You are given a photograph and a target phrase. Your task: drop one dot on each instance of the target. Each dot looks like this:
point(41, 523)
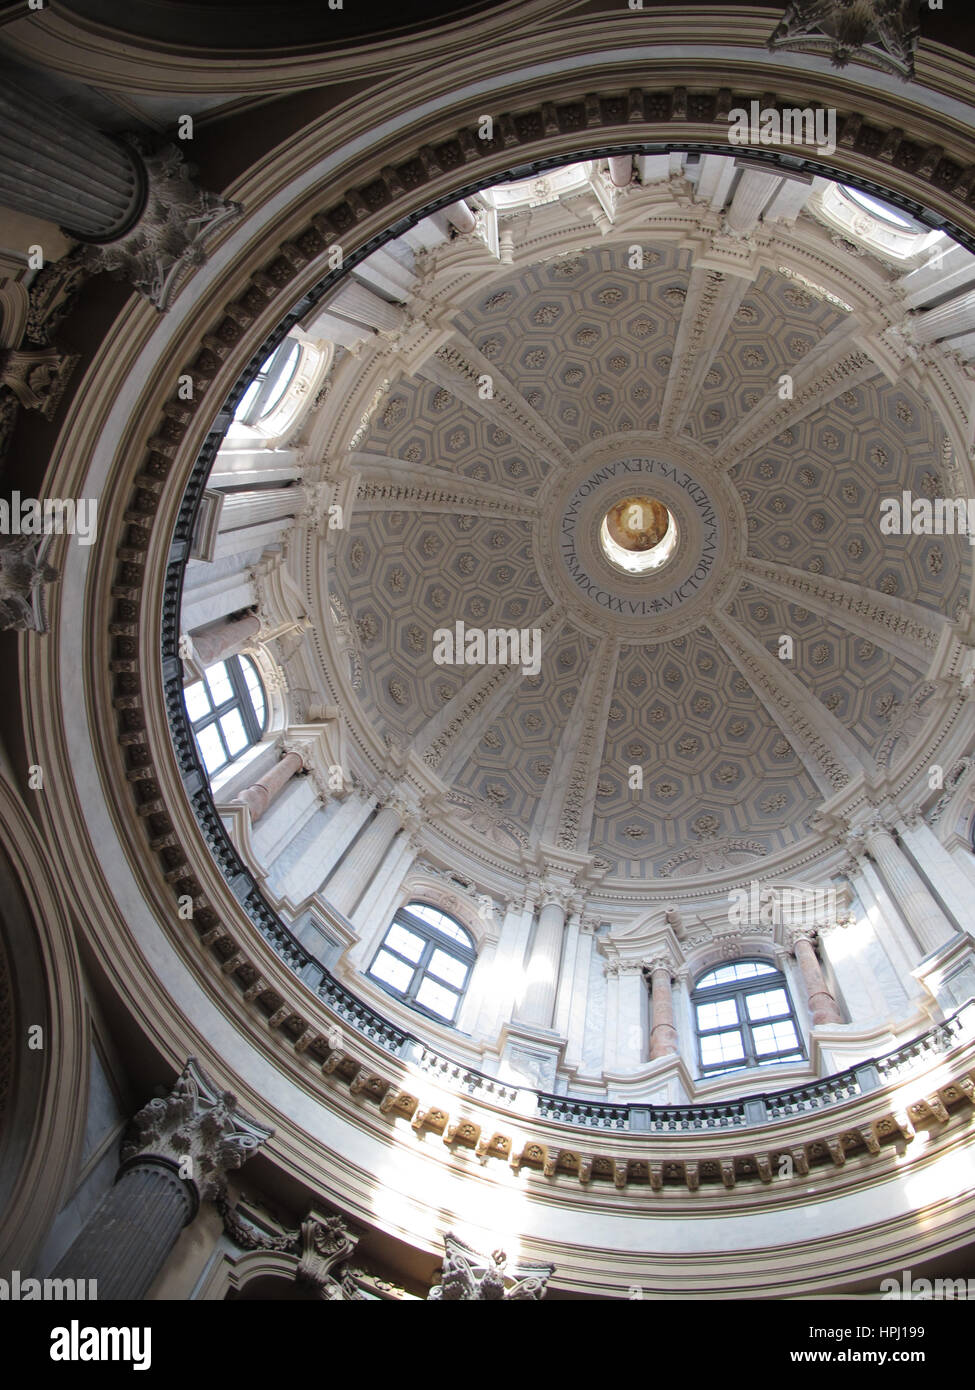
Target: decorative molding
point(168, 241)
point(468, 1277)
point(198, 1126)
point(880, 33)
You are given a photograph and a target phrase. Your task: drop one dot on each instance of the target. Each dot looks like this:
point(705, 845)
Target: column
point(663, 1034)
point(921, 912)
point(819, 1001)
point(631, 1027)
point(620, 170)
point(942, 869)
point(269, 787)
point(480, 988)
point(179, 1157)
point(56, 166)
point(753, 192)
point(226, 638)
point(340, 830)
point(957, 316)
point(354, 873)
point(563, 994)
point(375, 908)
point(499, 999)
point(538, 1004)
point(576, 1029)
point(892, 936)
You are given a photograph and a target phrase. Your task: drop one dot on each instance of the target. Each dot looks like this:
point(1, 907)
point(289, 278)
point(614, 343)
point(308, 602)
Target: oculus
point(638, 534)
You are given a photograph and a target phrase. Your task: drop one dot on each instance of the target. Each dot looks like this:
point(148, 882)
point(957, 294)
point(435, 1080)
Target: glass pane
point(406, 942)
point(770, 1004)
point(247, 399)
point(722, 1047)
point(284, 372)
point(717, 1015)
point(258, 706)
point(197, 704)
point(211, 749)
point(392, 971)
point(441, 921)
point(728, 974)
point(879, 209)
point(448, 968)
point(774, 1037)
point(234, 732)
point(441, 1001)
point(254, 688)
point(219, 683)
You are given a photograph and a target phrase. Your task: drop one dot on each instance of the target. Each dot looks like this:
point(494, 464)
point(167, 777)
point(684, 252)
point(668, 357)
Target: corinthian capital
point(199, 1129)
point(469, 1277)
point(661, 960)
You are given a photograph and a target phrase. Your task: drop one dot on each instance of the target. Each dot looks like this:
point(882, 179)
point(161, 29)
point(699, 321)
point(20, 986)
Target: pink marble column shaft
point(663, 1034)
point(269, 787)
point(823, 1008)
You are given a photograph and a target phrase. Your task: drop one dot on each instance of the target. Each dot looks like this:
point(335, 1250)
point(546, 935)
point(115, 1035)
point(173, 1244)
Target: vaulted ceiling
point(585, 352)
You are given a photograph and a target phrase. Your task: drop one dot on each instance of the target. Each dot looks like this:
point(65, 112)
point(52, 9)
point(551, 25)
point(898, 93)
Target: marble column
point(953, 885)
point(226, 638)
point(178, 1156)
point(822, 1007)
point(269, 787)
point(355, 871)
point(576, 1027)
point(957, 316)
point(921, 912)
point(538, 1003)
point(663, 1034)
point(503, 1001)
point(55, 166)
point(631, 1027)
point(885, 921)
point(753, 192)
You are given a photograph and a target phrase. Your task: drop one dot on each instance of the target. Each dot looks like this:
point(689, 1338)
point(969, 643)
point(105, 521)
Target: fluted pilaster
point(538, 1004)
point(921, 912)
point(355, 871)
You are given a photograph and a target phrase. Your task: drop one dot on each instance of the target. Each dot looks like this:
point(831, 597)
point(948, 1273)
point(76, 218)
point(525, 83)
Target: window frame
point(738, 991)
point(433, 940)
point(239, 699)
point(268, 378)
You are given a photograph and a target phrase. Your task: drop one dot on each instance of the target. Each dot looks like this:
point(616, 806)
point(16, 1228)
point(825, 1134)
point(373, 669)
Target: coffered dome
point(692, 717)
point(500, 775)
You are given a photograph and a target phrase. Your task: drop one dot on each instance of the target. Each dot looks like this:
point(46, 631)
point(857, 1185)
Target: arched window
point(227, 711)
point(425, 959)
point(744, 1018)
point(270, 384)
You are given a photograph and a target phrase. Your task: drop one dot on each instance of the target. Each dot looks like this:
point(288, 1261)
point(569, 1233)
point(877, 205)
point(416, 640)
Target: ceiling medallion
point(638, 545)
